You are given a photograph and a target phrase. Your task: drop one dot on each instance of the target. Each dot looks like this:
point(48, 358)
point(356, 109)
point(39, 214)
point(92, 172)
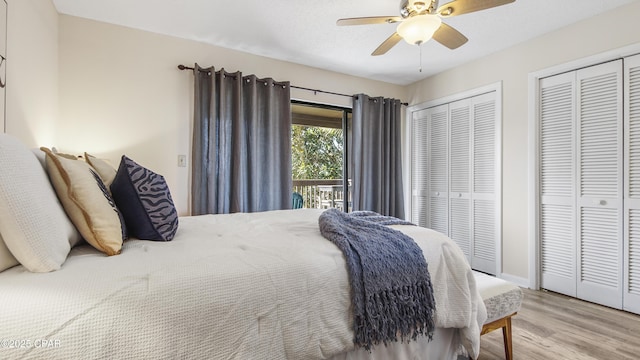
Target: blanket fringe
point(396, 314)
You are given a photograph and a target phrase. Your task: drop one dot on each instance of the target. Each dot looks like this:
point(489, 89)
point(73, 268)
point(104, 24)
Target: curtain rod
point(182, 67)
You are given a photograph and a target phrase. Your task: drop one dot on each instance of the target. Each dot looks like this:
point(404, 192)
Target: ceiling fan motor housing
point(417, 7)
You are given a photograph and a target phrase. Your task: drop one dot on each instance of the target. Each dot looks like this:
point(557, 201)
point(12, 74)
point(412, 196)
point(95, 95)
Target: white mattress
point(240, 286)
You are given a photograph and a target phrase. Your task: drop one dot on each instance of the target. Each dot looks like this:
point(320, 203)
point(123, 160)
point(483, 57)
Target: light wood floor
point(554, 326)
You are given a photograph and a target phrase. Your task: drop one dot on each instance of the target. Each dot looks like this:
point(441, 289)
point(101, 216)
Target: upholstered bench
point(503, 300)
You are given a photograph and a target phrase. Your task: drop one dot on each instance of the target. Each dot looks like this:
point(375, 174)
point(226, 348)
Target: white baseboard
point(520, 281)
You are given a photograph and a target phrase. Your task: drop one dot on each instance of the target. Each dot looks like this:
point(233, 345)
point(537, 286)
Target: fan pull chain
point(420, 68)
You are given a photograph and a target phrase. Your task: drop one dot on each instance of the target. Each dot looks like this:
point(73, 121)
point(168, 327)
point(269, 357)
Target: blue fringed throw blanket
point(391, 289)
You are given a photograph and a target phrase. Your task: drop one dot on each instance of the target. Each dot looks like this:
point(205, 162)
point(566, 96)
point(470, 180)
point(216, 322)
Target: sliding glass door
point(320, 155)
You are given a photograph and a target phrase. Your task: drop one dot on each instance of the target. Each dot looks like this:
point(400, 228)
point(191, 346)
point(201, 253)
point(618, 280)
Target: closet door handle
point(599, 202)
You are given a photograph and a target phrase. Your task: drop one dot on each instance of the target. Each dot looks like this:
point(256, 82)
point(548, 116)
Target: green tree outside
point(316, 152)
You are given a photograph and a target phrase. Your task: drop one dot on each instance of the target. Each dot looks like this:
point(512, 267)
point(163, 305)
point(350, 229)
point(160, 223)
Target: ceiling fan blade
point(449, 37)
point(387, 44)
point(459, 7)
point(369, 20)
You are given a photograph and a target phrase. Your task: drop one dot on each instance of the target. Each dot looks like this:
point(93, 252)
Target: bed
point(236, 286)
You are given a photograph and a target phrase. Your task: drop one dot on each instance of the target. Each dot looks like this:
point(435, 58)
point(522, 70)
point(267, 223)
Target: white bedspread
point(240, 286)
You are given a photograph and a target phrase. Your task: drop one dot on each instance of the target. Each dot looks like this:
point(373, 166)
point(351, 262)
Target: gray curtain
point(241, 143)
point(376, 156)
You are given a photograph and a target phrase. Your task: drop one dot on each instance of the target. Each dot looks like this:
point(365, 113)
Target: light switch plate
point(182, 160)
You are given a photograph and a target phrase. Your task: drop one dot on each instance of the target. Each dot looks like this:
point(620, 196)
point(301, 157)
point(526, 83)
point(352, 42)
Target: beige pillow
point(66, 156)
point(74, 236)
point(87, 202)
point(103, 168)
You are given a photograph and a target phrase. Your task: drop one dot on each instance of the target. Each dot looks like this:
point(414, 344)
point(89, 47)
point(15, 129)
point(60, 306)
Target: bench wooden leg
point(506, 335)
point(504, 324)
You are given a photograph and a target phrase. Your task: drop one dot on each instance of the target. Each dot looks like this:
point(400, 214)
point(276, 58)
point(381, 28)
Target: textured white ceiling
point(305, 31)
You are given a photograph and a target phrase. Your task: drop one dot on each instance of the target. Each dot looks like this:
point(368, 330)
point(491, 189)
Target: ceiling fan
point(419, 21)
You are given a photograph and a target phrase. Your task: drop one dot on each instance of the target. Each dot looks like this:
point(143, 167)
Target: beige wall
point(121, 93)
point(32, 71)
point(596, 35)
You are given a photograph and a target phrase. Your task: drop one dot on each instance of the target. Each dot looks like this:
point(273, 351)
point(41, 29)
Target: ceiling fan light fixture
point(419, 29)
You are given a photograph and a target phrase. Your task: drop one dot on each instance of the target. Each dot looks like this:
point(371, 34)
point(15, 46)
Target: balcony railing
point(321, 193)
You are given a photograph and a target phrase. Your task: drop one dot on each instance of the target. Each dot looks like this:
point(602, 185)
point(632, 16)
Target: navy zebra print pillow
point(145, 202)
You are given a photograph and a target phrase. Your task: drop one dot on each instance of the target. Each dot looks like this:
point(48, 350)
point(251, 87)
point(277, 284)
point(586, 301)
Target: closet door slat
point(631, 291)
point(460, 175)
point(557, 178)
point(599, 183)
point(419, 168)
point(484, 189)
point(438, 149)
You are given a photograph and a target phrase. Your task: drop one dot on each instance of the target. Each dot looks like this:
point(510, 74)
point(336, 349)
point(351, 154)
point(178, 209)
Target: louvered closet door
point(419, 168)
point(462, 165)
point(438, 119)
point(459, 175)
point(631, 298)
point(484, 228)
point(556, 179)
point(599, 168)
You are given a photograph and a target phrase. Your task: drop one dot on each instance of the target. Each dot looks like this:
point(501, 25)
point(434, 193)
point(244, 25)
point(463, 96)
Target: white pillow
point(32, 222)
point(6, 258)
